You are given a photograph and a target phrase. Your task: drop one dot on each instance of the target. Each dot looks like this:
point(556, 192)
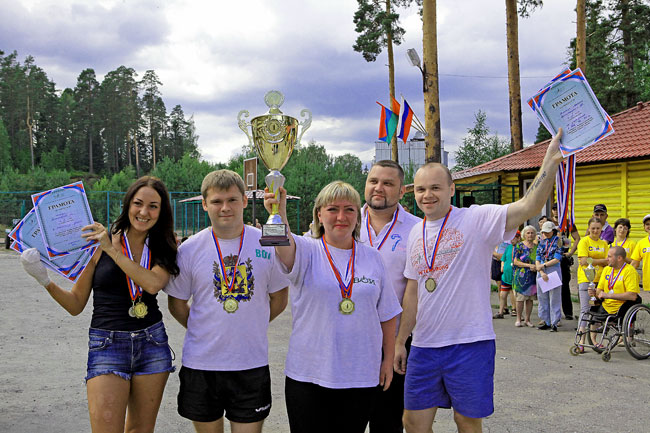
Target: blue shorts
point(459, 376)
point(128, 353)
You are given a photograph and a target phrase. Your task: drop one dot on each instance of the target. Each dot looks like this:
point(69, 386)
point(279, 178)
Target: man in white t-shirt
point(385, 226)
point(447, 299)
point(236, 289)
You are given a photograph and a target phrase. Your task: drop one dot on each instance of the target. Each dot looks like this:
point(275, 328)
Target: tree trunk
point(153, 142)
point(129, 161)
point(581, 36)
point(137, 155)
point(628, 58)
point(153, 156)
point(30, 123)
point(514, 90)
point(391, 83)
point(91, 169)
point(431, 96)
point(90, 152)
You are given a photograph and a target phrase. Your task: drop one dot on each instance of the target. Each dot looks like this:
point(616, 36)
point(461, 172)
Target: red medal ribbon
point(610, 282)
point(431, 262)
point(549, 243)
point(222, 265)
point(387, 233)
point(145, 261)
point(346, 290)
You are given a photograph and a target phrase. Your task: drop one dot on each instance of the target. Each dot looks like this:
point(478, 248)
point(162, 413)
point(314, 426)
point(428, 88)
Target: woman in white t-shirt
point(344, 313)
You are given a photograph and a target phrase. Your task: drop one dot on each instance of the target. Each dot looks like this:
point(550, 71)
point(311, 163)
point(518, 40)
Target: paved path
point(539, 387)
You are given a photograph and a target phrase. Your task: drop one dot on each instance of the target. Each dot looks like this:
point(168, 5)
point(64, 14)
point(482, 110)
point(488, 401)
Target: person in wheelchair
point(618, 288)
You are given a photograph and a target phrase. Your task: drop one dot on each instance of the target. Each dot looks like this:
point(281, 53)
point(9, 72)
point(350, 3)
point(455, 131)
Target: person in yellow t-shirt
point(619, 282)
point(642, 253)
point(622, 229)
point(593, 247)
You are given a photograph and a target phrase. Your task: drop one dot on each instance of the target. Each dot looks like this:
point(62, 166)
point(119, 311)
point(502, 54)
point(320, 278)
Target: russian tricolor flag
point(405, 120)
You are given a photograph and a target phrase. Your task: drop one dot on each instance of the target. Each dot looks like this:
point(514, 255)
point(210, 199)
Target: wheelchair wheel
point(610, 339)
point(606, 356)
point(573, 350)
point(636, 328)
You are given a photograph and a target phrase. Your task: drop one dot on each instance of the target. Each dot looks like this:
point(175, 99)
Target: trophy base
point(274, 235)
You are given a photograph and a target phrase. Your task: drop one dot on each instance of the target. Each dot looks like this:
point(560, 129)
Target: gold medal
point(140, 310)
point(430, 285)
point(131, 312)
point(346, 306)
point(230, 305)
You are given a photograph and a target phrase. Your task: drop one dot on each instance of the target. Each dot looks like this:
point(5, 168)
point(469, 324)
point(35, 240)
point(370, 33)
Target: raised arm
point(540, 189)
point(286, 254)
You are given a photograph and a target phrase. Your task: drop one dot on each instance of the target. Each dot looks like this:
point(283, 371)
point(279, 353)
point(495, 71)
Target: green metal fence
point(189, 217)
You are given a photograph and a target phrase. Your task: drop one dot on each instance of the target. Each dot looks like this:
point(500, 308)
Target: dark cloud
point(82, 34)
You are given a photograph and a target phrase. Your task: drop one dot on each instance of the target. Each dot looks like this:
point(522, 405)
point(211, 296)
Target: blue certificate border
point(55, 250)
point(537, 104)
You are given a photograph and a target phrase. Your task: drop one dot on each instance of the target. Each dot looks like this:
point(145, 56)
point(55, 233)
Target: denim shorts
point(128, 353)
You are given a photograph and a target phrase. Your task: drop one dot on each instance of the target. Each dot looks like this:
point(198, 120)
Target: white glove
point(31, 261)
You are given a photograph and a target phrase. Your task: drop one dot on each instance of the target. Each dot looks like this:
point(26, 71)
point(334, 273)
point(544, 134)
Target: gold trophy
point(590, 273)
point(274, 135)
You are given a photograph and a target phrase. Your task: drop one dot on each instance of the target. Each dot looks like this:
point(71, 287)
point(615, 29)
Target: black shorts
point(245, 396)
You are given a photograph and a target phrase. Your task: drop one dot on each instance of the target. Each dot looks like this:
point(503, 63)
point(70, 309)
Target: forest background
point(109, 133)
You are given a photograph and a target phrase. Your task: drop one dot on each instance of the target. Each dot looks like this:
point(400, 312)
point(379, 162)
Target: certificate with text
point(569, 103)
point(61, 213)
point(27, 234)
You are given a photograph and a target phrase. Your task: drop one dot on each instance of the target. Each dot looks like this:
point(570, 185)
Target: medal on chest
point(230, 305)
point(138, 308)
point(612, 279)
point(346, 306)
point(430, 284)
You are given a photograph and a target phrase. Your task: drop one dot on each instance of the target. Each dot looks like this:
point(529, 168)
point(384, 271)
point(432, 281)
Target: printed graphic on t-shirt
point(450, 243)
point(244, 280)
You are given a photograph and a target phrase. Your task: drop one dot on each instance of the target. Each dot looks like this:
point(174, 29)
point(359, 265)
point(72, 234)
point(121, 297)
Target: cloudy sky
point(218, 57)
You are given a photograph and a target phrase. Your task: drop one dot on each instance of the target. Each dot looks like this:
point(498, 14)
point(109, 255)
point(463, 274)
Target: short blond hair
point(337, 190)
point(222, 180)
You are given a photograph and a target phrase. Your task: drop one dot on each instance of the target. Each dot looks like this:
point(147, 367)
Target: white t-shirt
point(215, 339)
point(458, 310)
point(328, 348)
point(393, 250)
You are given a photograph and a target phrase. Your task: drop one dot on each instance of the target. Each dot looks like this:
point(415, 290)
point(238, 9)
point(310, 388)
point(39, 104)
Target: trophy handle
point(305, 124)
point(243, 125)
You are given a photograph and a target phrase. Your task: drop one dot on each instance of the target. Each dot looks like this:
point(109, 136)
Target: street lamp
point(414, 60)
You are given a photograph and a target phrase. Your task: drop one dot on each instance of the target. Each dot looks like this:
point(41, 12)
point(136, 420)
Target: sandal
point(513, 313)
point(530, 325)
point(518, 324)
point(498, 316)
point(581, 348)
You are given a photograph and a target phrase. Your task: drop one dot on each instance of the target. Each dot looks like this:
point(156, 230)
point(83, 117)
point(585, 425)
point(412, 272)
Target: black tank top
point(111, 300)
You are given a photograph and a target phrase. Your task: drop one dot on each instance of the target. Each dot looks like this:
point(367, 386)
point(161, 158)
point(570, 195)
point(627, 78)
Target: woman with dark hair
point(622, 229)
point(129, 359)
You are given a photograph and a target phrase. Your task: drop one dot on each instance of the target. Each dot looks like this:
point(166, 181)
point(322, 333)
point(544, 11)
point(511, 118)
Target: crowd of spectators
point(537, 266)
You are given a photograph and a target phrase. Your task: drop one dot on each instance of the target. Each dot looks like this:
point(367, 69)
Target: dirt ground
point(539, 386)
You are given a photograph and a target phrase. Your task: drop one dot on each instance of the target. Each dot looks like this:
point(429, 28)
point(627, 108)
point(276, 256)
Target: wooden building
point(614, 171)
